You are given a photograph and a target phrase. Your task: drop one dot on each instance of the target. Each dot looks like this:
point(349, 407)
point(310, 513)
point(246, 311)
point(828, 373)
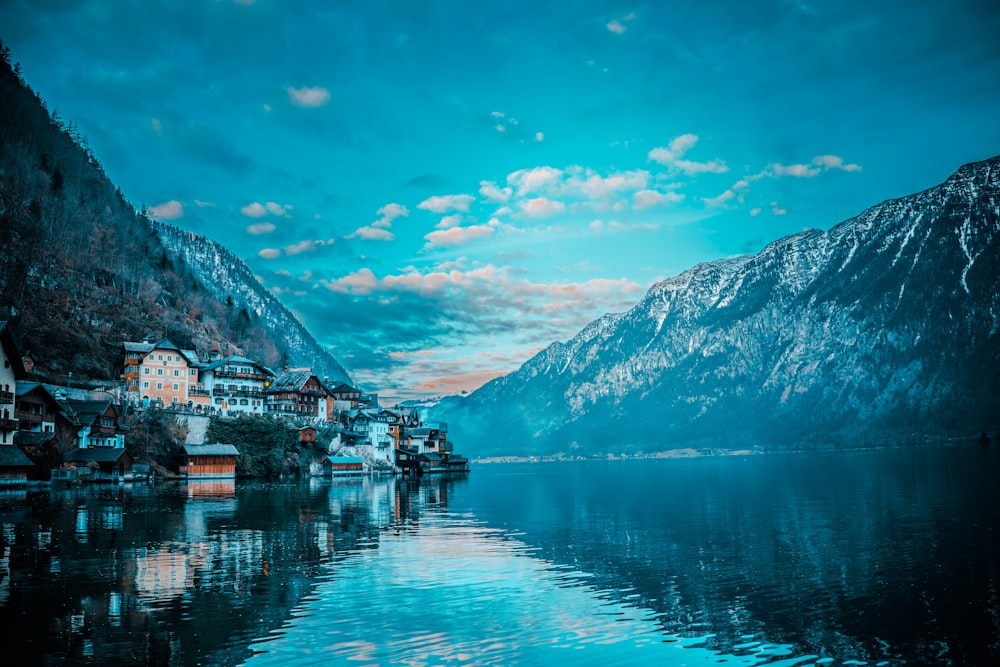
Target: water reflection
point(881, 557)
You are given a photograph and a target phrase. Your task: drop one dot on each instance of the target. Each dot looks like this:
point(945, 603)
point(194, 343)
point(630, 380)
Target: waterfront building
point(236, 386)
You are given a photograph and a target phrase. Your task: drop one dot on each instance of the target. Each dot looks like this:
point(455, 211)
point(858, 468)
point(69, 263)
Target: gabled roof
point(35, 438)
point(86, 412)
point(290, 381)
point(236, 360)
point(210, 450)
point(13, 457)
point(342, 387)
point(96, 454)
point(10, 350)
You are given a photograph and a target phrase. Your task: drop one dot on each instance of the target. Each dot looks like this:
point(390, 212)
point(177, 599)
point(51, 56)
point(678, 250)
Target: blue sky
point(441, 189)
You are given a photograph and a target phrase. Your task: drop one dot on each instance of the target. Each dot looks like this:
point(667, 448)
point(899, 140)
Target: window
point(194, 372)
point(159, 385)
point(170, 357)
point(244, 401)
point(145, 385)
point(145, 371)
point(176, 386)
point(173, 400)
point(159, 357)
point(177, 373)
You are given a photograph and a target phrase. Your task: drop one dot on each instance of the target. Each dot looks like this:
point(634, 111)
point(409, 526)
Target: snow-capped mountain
point(228, 277)
point(886, 328)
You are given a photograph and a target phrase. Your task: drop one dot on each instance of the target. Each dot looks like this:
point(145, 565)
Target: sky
point(440, 190)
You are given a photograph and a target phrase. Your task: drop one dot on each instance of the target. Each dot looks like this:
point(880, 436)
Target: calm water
point(880, 557)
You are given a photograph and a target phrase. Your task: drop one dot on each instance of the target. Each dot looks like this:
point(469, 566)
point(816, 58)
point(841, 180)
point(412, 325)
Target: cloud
point(644, 199)
point(204, 204)
point(388, 213)
point(254, 210)
point(834, 162)
point(258, 210)
point(269, 253)
point(541, 207)
point(594, 186)
point(796, 170)
point(599, 227)
point(168, 210)
point(777, 210)
point(362, 282)
point(450, 221)
point(537, 179)
point(616, 27)
point(261, 228)
point(672, 155)
point(754, 212)
point(539, 137)
point(819, 164)
point(307, 246)
point(309, 97)
point(372, 233)
point(445, 203)
point(715, 202)
point(457, 236)
point(493, 192)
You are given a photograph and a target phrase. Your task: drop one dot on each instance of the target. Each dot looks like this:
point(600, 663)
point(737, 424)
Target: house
point(374, 428)
point(298, 395)
point(216, 461)
point(14, 466)
point(161, 374)
point(344, 396)
point(91, 424)
point(345, 466)
point(35, 407)
point(307, 434)
point(107, 464)
point(11, 370)
point(236, 385)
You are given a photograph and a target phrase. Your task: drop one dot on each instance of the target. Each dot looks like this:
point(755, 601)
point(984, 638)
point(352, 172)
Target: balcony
point(28, 419)
point(7, 424)
point(197, 391)
point(226, 373)
point(6, 397)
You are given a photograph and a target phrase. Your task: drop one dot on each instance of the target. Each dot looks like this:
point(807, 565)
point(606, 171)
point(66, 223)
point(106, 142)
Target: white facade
point(236, 386)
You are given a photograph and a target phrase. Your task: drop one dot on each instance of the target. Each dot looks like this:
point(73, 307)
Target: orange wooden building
point(208, 461)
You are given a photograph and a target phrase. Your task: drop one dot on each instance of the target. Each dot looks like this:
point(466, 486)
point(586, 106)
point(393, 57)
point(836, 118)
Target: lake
point(884, 557)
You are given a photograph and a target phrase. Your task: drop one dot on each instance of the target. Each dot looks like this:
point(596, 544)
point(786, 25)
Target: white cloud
point(616, 27)
point(307, 246)
point(672, 155)
point(278, 209)
point(540, 207)
point(269, 253)
point(204, 204)
point(834, 162)
point(388, 213)
point(362, 283)
point(310, 97)
point(754, 212)
point(595, 186)
point(445, 203)
point(528, 181)
point(261, 228)
point(168, 210)
point(777, 210)
point(644, 199)
point(715, 202)
point(450, 221)
point(493, 192)
point(539, 137)
point(796, 170)
point(373, 234)
point(254, 210)
point(457, 236)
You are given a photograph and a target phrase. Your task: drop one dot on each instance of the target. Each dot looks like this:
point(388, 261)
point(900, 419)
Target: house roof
point(96, 454)
point(236, 360)
point(291, 381)
point(86, 412)
point(217, 449)
point(342, 387)
point(419, 432)
point(429, 456)
point(35, 438)
point(347, 459)
point(13, 457)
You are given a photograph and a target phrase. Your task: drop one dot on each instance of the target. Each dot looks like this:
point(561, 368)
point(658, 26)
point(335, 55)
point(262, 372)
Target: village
point(348, 429)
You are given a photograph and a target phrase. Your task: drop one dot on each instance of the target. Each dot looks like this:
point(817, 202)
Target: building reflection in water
point(183, 574)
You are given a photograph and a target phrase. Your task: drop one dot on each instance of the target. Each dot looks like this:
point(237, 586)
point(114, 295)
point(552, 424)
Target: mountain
point(81, 270)
point(229, 279)
point(884, 329)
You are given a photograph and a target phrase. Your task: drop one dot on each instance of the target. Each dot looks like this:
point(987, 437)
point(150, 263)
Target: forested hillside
point(81, 270)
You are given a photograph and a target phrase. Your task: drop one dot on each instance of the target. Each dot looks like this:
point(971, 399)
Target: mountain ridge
point(822, 338)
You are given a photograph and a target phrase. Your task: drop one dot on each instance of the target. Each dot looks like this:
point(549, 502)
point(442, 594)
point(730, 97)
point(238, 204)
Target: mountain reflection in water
point(885, 557)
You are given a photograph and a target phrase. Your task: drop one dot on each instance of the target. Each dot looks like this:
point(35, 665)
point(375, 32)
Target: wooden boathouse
point(216, 461)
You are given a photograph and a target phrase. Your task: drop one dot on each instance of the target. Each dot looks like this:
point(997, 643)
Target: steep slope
point(884, 329)
point(228, 277)
point(81, 270)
